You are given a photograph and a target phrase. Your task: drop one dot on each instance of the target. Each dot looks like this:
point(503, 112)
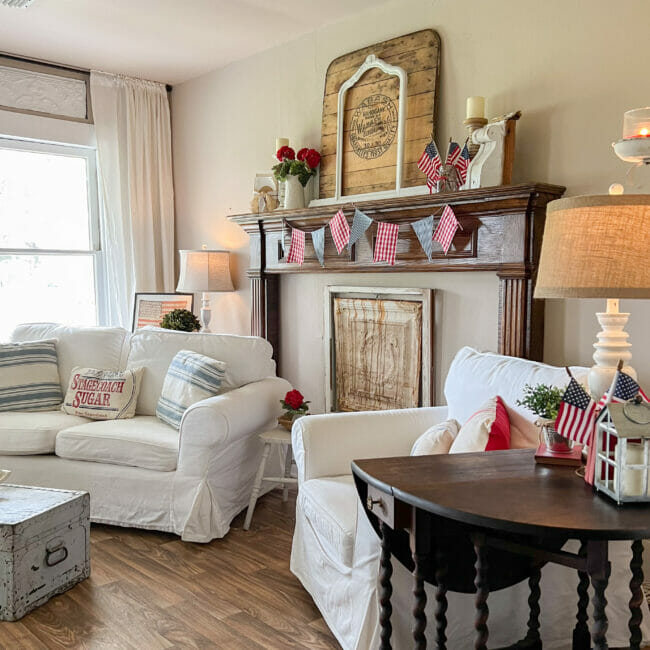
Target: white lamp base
point(206, 312)
point(612, 347)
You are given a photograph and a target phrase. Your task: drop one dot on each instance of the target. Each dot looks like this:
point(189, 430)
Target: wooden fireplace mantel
point(502, 233)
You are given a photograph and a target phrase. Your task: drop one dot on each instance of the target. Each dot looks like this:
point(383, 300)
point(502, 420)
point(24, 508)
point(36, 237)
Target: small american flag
point(430, 164)
point(625, 389)
point(453, 153)
point(386, 243)
point(462, 164)
point(340, 230)
point(297, 248)
point(576, 419)
point(446, 229)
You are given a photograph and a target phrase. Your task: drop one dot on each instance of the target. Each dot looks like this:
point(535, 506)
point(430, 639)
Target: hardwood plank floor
point(149, 590)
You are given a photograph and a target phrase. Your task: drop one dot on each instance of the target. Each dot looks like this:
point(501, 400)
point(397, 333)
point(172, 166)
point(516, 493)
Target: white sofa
point(141, 472)
point(335, 551)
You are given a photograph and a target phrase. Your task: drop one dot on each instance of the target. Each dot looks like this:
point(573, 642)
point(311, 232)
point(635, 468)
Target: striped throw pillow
point(29, 376)
point(190, 378)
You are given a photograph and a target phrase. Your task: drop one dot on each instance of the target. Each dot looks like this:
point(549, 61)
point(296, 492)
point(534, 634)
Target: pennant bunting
point(424, 232)
point(386, 242)
point(446, 229)
point(340, 230)
point(462, 164)
point(318, 239)
point(360, 224)
point(576, 418)
point(297, 248)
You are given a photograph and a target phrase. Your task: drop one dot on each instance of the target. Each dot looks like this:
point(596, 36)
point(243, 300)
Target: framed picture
point(149, 308)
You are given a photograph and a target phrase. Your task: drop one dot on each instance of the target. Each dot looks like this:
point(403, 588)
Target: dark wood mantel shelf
point(502, 233)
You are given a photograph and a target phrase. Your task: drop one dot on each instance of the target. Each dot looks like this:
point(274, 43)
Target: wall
point(568, 66)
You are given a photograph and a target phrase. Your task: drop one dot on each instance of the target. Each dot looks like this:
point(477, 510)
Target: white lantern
point(622, 445)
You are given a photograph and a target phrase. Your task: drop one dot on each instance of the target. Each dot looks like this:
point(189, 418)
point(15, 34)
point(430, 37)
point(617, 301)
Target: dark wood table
point(439, 515)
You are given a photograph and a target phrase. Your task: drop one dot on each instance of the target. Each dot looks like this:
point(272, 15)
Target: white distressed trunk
point(44, 546)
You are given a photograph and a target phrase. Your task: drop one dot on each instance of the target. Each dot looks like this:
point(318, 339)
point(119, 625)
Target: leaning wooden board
point(370, 122)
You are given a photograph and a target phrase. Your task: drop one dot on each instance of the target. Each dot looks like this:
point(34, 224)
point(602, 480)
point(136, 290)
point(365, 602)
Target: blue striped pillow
point(190, 378)
point(29, 377)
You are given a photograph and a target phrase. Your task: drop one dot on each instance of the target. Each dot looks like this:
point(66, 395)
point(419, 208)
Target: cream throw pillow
point(436, 439)
point(103, 394)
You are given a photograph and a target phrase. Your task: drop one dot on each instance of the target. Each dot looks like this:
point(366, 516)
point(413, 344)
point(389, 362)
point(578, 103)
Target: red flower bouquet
point(303, 165)
point(294, 404)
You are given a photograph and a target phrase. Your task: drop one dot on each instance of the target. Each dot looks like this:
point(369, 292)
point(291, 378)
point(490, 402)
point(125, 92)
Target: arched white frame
point(372, 62)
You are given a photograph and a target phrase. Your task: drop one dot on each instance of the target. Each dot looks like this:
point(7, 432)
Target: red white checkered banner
point(446, 229)
point(340, 230)
point(386, 242)
point(297, 249)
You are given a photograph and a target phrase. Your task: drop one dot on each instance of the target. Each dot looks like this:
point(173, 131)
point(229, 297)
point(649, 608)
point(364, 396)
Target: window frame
point(95, 248)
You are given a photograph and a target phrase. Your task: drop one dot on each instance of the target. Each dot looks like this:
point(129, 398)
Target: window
point(50, 258)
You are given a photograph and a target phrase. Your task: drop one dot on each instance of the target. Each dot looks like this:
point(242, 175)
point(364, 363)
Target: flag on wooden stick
point(462, 164)
point(430, 163)
point(360, 224)
point(424, 232)
point(318, 239)
point(446, 229)
point(576, 418)
point(340, 231)
point(453, 153)
point(297, 248)
point(623, 389)
point(386, 242)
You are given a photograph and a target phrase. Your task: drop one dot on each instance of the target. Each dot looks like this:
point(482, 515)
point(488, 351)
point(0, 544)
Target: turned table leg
point(386, 588)
point(482, 591)
point(599, 569)
point(441, 600)
point(419, 638)
point(533, 641)
point(581, 636)
point(636, 567)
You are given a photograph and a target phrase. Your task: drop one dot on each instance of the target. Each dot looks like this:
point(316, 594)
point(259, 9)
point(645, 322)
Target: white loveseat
point(141, 472)
point(335, 551)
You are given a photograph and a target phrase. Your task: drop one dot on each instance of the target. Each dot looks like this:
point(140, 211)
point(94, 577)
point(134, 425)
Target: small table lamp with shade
point(599, 247)
point(205, 271)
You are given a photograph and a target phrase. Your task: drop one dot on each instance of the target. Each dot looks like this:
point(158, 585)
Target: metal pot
point(552, 439)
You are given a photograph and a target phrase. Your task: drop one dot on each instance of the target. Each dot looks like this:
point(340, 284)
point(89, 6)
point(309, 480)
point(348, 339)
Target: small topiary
point(544, 401)
point(182, 320)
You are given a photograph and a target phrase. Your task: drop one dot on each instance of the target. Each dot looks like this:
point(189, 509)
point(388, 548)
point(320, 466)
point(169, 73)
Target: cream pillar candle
point(281, 142)
point(475, 107)
point(632, 479)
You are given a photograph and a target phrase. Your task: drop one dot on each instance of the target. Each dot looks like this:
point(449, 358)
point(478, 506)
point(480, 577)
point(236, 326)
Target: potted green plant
point(294, 406)
point(544, 401)
point(182, 320)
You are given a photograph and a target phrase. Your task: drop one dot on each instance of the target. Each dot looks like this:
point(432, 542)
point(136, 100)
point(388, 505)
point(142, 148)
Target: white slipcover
point(146, 442)
point(140, 472)
point(343, 581)
point(23, 433)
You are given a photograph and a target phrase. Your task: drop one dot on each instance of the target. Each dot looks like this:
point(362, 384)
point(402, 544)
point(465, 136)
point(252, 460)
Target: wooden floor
point(150, 590)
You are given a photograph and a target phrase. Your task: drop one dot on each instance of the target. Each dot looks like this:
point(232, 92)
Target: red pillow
point(487, 430)
point(499, 436)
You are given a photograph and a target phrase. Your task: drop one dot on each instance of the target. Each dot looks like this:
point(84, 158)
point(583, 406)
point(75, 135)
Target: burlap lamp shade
point(598, 247)
point(205, 270)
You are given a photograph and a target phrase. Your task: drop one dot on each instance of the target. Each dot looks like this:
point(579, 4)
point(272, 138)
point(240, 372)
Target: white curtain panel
point(133, 130)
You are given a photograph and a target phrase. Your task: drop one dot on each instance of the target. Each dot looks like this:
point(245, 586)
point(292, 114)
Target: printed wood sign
point(371, 115)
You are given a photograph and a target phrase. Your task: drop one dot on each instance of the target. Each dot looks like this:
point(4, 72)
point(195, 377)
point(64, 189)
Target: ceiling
point(165, 40)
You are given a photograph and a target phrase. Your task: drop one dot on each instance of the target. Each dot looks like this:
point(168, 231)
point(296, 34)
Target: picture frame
point(149, 308)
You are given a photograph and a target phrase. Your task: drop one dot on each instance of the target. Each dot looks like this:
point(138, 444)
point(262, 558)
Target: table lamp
point(205, 270)
point(598, 247)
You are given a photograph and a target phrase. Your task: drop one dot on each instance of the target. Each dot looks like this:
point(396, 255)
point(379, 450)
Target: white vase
point(294, 193)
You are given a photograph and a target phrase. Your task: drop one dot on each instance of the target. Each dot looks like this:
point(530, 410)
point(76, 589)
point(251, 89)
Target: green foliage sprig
point(182, 320)
point(297, 168)
point(543, 400)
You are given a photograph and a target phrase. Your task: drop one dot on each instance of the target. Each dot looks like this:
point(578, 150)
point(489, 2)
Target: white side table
point(280, 438)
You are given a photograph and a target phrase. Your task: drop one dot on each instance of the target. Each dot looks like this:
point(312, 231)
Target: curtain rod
point(51, 64)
